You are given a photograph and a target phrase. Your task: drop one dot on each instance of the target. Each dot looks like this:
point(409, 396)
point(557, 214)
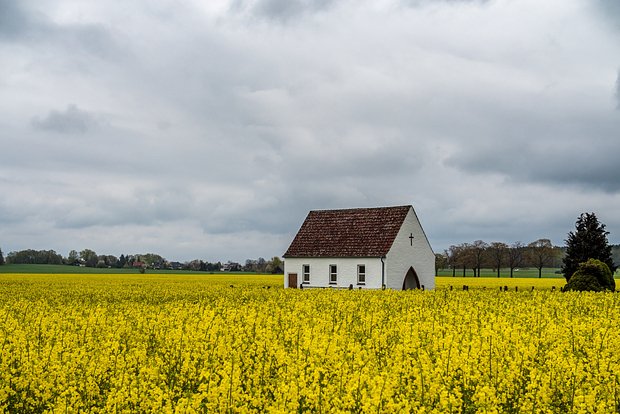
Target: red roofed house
point(362, 247)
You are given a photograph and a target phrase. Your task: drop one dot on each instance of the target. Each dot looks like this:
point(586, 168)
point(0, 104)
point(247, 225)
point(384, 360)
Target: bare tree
point(452, 254)
point(497, 254)
point(514, 256)
point(540, 253)
point(441, 261)
point(478, 252)
point(464, 257)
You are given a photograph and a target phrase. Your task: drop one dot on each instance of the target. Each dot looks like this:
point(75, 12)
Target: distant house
point(176, 265)
point(362, 248)
point(231, 267)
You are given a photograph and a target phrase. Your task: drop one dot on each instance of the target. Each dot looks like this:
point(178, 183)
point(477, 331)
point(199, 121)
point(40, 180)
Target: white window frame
point(333, 274)
point(361, 273)
point(305, 275)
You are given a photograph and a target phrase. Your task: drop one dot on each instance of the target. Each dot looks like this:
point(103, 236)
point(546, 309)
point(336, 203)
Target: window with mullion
point(361, 274)
point(333, 274)
point(305, 271)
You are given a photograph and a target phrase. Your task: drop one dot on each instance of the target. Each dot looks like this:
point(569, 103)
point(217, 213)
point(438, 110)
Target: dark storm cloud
point(72, 120)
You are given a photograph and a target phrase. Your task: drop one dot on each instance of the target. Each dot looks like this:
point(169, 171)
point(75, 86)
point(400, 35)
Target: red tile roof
point(358, 232)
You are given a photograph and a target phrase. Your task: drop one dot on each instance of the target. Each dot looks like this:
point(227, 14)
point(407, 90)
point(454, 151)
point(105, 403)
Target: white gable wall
point(403, 255)
point(347, 271)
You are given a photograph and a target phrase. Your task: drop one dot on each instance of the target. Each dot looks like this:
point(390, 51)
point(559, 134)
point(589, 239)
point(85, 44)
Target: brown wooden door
point(292, 280)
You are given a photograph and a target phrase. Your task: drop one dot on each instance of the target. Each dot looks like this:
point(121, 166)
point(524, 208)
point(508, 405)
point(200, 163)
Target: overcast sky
point(208, 129)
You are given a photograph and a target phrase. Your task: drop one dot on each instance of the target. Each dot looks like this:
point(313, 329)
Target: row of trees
point(497, 255)
point(86, 257)
point(90, 258)
point(260, 265)
point(587, 261)
point(34, 257)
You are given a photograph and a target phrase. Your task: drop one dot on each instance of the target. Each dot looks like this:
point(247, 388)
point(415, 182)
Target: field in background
point(547, 272)
point(505, 273)
point(226, 343)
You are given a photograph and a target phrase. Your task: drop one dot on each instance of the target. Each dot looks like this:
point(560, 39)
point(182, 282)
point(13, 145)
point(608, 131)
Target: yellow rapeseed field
point(496, 283)
point(173, 343)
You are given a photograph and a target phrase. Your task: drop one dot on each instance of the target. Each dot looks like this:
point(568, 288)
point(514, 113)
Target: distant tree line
point(90, 258)
point(499, 255)
point(471, 257)
point(34, 257)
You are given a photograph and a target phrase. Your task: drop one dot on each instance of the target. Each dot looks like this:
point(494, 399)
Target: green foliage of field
point(505, 273)
point(59, 269)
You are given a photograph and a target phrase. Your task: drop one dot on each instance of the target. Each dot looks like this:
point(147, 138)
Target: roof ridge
point(365, 208)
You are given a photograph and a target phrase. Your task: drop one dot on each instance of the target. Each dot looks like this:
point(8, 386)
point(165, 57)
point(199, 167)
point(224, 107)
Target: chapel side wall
point(402, 255)
point(347, 271)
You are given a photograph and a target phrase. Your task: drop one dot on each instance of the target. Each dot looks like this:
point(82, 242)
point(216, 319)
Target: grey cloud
point(142, 208)
point(18, 23)
point(611, 10)
point(422, 3)
point(618, 90)
point(14, 21)
point(10, 213)
point(283, 9)
point(90, 39)
point(280, 209)
point(586, 164)
point(70, 121)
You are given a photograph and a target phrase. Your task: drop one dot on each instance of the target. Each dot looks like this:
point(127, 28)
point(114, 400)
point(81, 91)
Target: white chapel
point(366, 248)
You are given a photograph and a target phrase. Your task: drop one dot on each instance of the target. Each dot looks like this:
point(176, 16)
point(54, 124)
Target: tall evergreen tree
point(1, 258)
point(588, 241)
point(122, 261)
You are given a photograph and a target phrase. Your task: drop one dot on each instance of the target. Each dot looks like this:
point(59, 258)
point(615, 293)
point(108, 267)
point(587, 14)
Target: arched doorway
point(411, 280)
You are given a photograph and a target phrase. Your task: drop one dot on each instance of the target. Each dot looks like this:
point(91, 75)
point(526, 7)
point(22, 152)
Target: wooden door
point(292, 280)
